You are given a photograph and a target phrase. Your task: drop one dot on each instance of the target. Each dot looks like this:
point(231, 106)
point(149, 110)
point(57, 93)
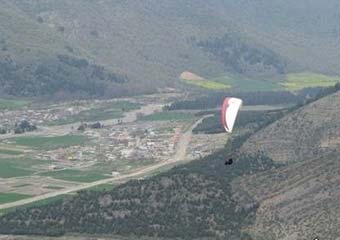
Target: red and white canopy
point(229, 111)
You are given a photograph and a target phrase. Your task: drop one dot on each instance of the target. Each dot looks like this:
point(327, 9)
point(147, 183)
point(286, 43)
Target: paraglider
point(229, 112)
point(229, 162)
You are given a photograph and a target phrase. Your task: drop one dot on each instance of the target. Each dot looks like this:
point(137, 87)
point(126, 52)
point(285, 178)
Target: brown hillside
point(306, 133)
point(297, 202)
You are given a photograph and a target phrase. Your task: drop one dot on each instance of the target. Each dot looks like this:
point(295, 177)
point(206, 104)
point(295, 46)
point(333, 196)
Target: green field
point(11, 197)
point(167, 116)
point(38, 203)
point(298, 81)
point(18, 167)
point(110, 111)
point(247, 84)
point(12, 104)
point(22, 185)
point(236, 82)
point(76, 175)
point(10, 152)
point(48, 143)
point(208, 84)
point(54, 187)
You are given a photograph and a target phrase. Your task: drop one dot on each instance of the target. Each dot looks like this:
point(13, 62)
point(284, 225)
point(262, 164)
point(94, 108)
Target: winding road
point(179, 156)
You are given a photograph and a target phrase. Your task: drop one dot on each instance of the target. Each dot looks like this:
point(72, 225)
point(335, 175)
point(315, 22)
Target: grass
point(298, 81)
point(54, 187)
point(168, 116)
point(12, 104)
point(48, 143)
point(16, 167)
point(76, 175)
point(247, 84)
point(236, 82)
point(208, 84)
point(22, 185)
point(35, 204)
point(10, 152)
point(12, 197)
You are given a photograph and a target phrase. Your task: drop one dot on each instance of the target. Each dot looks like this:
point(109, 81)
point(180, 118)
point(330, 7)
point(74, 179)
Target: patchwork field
point(290, 82)
point(297, 81)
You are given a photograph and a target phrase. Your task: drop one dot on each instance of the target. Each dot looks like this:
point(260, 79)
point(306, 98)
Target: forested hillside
point(188, 202)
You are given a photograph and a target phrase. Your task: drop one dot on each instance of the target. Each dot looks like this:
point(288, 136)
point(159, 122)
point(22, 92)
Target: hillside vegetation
point(190, 202)
point(89, 48)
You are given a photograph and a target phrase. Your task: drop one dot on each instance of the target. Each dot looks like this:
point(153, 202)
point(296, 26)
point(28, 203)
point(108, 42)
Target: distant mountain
point(136, 43)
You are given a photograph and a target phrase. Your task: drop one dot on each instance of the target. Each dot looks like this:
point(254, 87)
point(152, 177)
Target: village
point(137, 143)
point(72, 143)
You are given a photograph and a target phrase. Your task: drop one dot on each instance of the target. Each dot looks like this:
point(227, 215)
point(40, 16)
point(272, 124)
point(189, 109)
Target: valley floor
point(59, 159)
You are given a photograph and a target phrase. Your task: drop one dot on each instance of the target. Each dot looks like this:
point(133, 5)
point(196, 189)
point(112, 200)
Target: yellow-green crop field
point(298, 81)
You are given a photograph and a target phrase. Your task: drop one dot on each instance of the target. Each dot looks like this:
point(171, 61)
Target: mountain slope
point(152, 42)
point(37, 61)
point(306, 133)
point(299, 201)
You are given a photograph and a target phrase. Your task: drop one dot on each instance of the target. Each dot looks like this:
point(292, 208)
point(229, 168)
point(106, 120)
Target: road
point(179, 156)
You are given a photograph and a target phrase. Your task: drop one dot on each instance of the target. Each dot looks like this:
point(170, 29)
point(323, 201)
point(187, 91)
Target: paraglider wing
point(229, 111)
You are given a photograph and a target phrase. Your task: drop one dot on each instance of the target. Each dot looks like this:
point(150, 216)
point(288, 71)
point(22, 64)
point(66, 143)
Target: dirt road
point(179, 156)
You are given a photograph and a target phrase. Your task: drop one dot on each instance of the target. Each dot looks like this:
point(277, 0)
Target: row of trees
point(213, 100)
